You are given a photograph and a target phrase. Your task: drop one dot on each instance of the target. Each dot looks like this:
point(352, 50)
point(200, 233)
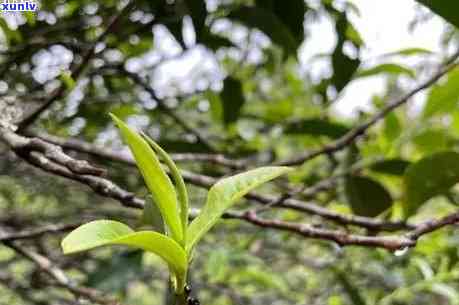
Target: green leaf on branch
point(232, 98)
point(445, 8)
point(431, 176)
point(392, 69)
point(408, 52)
point(344, 67)
point(107, 232)
point(224, 194)
point(159, 184)
point(366, 196)
point(444, 97)
point(291, 13)
point(317, 127)
point(178, 180)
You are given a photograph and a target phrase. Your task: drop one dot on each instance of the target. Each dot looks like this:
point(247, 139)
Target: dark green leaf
point(317, 127)
point(268, 23)
point(291, 13)
point(214, 41)
point(198, 13)
point(366, 196)
point(394, 167)
point(344, 66)
point(445, 8)
point(431, 176)
point(176, 29)
point(232, 99)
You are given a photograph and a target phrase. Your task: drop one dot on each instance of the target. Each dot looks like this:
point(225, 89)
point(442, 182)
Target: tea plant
point(167, 211)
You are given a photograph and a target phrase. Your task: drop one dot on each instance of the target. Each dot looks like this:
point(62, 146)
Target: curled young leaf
point(159, 184)
point(178, 180)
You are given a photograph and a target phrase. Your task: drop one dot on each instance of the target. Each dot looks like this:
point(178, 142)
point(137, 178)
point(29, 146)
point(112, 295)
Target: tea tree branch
point(360, 130)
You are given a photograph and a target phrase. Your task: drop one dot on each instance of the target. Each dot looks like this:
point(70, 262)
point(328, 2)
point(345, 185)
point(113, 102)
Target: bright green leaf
point(408, 52)
point(366, 196)
point(444, 97)
point(178, 180)
point(430, 140)
point(159, 184)
point(30, 17)
point(225, 193)
point(106, 232)
point(392, 127)
point(431, 176)
point(67, 79)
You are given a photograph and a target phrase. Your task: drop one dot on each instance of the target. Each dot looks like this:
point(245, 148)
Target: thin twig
point(36, 232)
point(76, 70)
point(89, 148)
point(44, 264)
point(360, 130)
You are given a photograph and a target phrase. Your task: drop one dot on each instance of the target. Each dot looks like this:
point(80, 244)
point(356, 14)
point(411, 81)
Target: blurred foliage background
point(237, 96)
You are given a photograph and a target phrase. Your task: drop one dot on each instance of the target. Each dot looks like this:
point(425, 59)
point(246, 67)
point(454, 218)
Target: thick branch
point(107, 188)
